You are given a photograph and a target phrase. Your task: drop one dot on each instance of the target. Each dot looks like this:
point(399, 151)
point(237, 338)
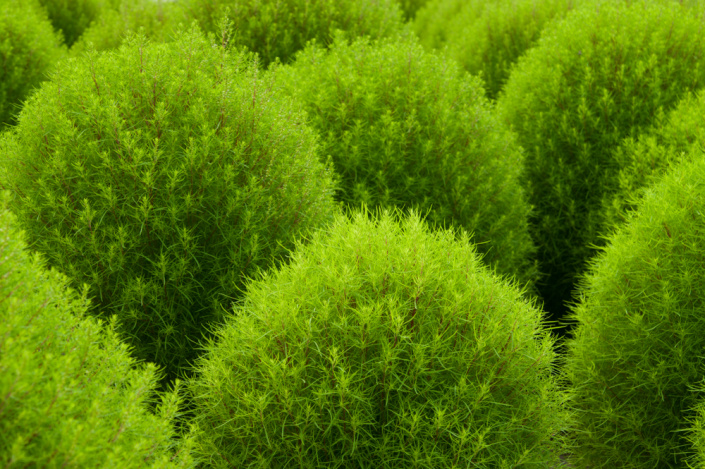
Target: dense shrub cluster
point(279, 29)
point(593, 79)
point(29, 48)
point(410, 7)
point(407, 128)
point(72, 17)
point(162, 175)
point(382, 344)
point(640, 334)
point(487, 37)
point(70, 394)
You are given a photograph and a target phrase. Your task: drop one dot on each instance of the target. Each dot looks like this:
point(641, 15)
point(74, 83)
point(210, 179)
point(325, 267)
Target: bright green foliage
point(642, 160)
point(410, 7)
point(593, 79)
point(383, 344)
point(640, 334)
point(408, 128)
point(162, 175)
point(697, 435)
point(72, 17)
point(70, 394)
point(155, 19)
point(280, 28)
point(487, 37)
point(29, 48)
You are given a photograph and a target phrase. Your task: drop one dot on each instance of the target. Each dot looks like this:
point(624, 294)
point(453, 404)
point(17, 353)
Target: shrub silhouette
point(70, 394)
point(162, 175)
point(593, 79)
point(382, 344)
point(639, 336)
point(487, 37)
point(279, 29)
point(29, 48)
point(72, 17)
point(408, 128)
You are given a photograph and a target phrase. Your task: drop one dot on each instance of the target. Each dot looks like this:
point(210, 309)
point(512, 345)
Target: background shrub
point(593, 79)
point(72, 17)
point(70, 394)
point(408, 128)
point(639, 338)
point(279, 29)
point(29, 48)
point(410, 7)
point(162, 175)
point(382, 344)
point(487, 37)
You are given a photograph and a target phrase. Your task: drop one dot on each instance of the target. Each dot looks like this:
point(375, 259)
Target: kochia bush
point(382, 344)
point(278, 29)
point(487, 37)
point(640, 334)
point(408, 128)
point(29, 48)
point(593, 79)
point(72, 17)
point(162, 175)
point(70, 394)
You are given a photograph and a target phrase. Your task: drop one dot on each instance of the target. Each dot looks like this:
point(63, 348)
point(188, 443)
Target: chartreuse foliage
point(72, 17)
point(487, 37)
point(408, 128)
point(29, 48)
point(278, 29)
point(70, 394)
point(382, 344)
point(639, 340)
point(410, 7)
point(642, 160)
point(156, 19)
point(697, 433)
point(593, 79)
point(162, 175)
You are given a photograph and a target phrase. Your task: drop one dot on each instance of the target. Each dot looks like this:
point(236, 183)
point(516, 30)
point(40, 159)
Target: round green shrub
point(642, 160)
point(29, 48)
point(278, 29)
point(162, 175)
point(382, 344)
point(593, 79)
point(487, 37)
point(640, 335)
point(408, 128)
point(72, 17)
point(155, 19)
point(70, 394)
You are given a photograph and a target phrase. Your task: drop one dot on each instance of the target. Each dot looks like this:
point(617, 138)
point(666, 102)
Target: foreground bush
point(162, 175)
point(29, 48)
point(280, 28)
point(592, 80)
point(72, 17)
point(697, 435)
point(407, 128)
point(70, 394)
point(382, 344)
point(487, 37)
point(640, 334)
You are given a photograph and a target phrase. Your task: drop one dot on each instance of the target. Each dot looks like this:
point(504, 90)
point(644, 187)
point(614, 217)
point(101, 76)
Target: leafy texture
point(697, 435)
point(487, 37)
point(407, 128)
point(162, 175)
point(382, 344)
point(277, 29)
point(72, 17)
point(410, 7)
point(593, 79)
point(70, 394)
point(639, 338)
point(29, 48)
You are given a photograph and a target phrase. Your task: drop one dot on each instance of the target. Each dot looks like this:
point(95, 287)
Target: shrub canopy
point(162, 175)
point(382, 344)
point(407, 128)
point(593, 79)
point(72, 17)
point(70, 394)
point(640, 331)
